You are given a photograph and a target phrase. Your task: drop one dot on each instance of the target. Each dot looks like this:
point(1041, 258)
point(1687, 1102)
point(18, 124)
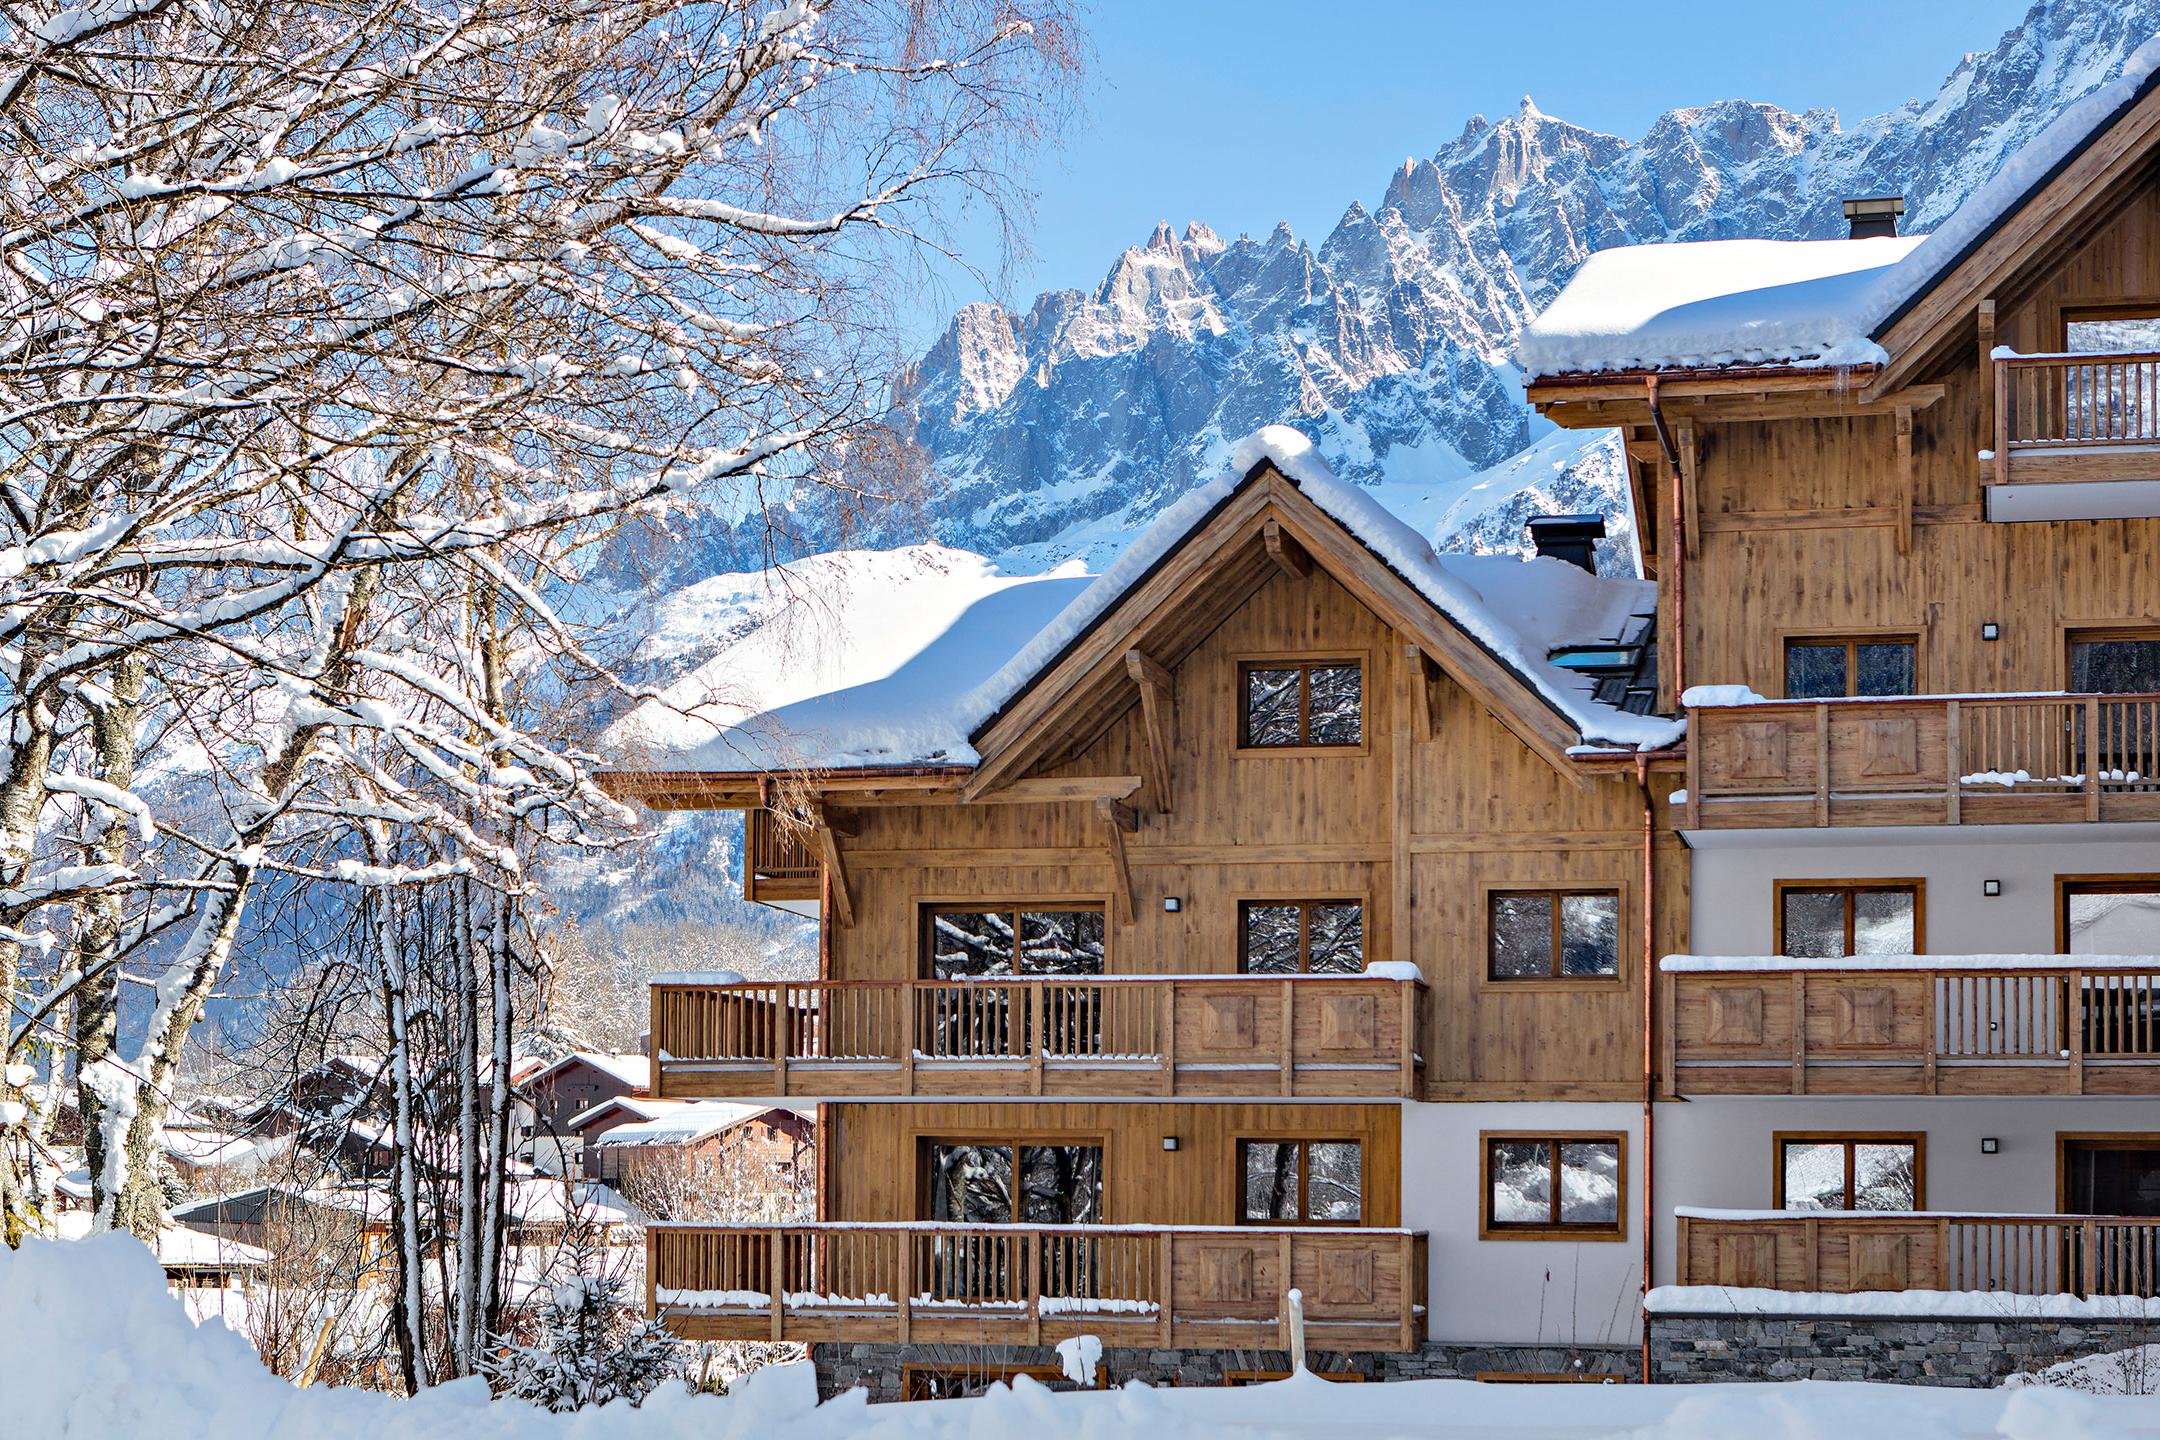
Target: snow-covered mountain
point(1058, 432)
point(1059, 429)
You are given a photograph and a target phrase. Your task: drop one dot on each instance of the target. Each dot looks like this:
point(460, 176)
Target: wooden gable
point(1267, 527)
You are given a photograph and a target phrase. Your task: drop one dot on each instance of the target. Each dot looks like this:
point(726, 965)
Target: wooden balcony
point(1330, 1036)
point(1922, 1025)
point(1924, 760)
point(2076, 419)
point(1219, 1288)
point(1842, 1251)
point(778, 861)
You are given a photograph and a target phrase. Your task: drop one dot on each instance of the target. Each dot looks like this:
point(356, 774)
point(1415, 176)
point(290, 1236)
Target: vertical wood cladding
point(879, 1148)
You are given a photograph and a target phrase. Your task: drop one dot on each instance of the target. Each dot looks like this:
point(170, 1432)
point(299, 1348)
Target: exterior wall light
point(1991, 888)
point(1171, 904)
point(1989, 1145)
point(1989, 630)
point(1169, 1142)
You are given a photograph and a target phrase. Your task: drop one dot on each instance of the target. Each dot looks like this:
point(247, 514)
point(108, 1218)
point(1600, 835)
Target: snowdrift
point(91, 1345)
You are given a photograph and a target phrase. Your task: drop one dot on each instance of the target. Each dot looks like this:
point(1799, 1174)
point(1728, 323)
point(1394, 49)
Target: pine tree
point(592, 1347)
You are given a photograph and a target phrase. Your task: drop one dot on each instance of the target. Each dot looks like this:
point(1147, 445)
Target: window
point(1851, 1172)
point(1552, 934)
point(2111, 331)
point(1566, 1186)
point(990, 1182)
point(1825, 919)
point(1835, 667)
point(932, 1382)
point(2109, 915)
point(1302, 702)
point(1302, 1182)
point(969, 941)
point(2115, 662)
point(1293, 937)
point(2108, 1174)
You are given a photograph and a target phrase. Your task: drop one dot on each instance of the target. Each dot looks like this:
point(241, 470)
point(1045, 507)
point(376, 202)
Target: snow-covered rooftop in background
point(928, 644)
point(178, 1247)
point(680, 1122)
point(632, 1070)
point(1754, 302)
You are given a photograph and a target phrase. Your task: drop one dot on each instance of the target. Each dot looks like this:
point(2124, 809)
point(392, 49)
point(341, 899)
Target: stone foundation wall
point(880, 1368)
point(1969, 1354)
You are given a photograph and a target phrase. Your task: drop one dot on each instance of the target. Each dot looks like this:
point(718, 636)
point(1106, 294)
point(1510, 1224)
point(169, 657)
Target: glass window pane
point(2113, 337)
point(1589, 1182)
point(1884, 1177)
point(1336, 1188)
point(970, 942)
point(1521, 1182)
point(1060, 1184)
point(1271, 1179)
point(2114, 923)
point(1590, 935)
point(1521, 936)
point(1061, 942)
point(2115, 667)
point(971, 1184)
point(1335, 938)
point(1815, 923)
point(1883, 922)
point(1814, 1175)
point(1271, 939)
point(1271, 707)
point(1815, 672)
point(1335, 715)
point(1886, 669)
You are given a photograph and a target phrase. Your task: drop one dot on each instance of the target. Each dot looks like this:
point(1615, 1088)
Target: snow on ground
point(95, 1347)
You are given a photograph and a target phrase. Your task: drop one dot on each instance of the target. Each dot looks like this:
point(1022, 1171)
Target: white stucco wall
point(1517, 1291)
point(1718, 1152)
point(1734, 875)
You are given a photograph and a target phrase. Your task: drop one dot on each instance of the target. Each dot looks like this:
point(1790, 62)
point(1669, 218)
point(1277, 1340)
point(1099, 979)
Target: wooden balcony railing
point(1843, 1251)
point(1229, 1035)
point(1917, 1025)
point(1924, 760)
point(778, 862)
point(2076, 417)
point(1213, 1288)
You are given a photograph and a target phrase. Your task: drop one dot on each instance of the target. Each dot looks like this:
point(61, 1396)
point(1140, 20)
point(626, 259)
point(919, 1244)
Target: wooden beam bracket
point(1158, 722)
point(1289, 556)
point(829, 847)
point(1119, 820)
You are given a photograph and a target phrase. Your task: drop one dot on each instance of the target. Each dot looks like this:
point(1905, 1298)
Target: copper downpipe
point(1649, 1053)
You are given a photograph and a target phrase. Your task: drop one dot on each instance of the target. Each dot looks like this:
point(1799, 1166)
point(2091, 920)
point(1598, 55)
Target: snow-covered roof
point(547, 1201)
point(681, 1122)
point(634, 1105)
point(204, 1145)
point(924, 664)
point(178, 1247)
point(1712, 303)
point(633, 1070)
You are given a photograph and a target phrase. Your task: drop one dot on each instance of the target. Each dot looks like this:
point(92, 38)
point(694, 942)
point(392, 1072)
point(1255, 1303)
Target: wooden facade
point(1842, 1252)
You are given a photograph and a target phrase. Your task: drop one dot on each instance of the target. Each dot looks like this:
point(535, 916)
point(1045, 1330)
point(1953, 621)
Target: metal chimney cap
point(1874, 205)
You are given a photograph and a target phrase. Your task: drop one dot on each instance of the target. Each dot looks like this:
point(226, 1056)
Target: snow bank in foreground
point(94, 1347)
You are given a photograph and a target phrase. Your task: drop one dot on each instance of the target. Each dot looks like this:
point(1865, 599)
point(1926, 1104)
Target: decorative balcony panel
point(1843, 1251)
point(2077, 436)
point(1923, 760)
point(1208, 1036)
point(1206, 1288)
point(1913, 1025)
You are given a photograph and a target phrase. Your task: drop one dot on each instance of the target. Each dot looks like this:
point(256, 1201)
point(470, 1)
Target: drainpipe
point(1649, 1013)
point(1675, 569)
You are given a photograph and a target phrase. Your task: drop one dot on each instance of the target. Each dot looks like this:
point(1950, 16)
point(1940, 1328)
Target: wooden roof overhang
point(1193, 588)
point(752, 789)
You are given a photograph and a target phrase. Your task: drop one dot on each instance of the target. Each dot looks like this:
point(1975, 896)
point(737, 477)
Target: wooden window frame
point(1555, 1229)
point(2112, 884)
point(912, 1376)
point(2130, 308)
point(2074, 635)
point(2067, 1140)
point(1304, 1179)
point(1015, 1142)
point(1914, 883)
point(1849, 1138)
point(1852, 641)
point(928, 910)
point(1556, 979)
point(1304, 941)
point(1306, 661)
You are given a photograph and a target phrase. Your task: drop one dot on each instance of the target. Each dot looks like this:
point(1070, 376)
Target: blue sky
point(1244, 112)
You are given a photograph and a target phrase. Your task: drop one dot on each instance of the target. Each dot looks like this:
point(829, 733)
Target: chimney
point(1874, 215)
point(1572, 538)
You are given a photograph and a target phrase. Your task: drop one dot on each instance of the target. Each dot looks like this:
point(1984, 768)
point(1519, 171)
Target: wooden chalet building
point(1473, 944)
point(1901, 497)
